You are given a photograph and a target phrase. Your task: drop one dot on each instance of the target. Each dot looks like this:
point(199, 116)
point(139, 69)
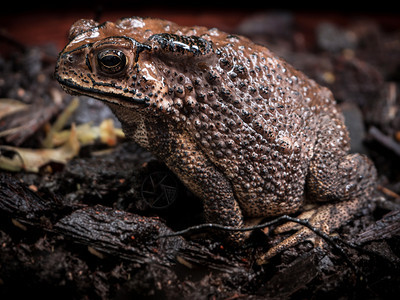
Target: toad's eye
point(111, 61)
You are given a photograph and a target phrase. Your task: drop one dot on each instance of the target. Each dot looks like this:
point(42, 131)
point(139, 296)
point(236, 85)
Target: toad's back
point(257, 119)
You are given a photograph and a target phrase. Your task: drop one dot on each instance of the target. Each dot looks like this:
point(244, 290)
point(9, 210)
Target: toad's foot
point(291, 226)
point(324, 219)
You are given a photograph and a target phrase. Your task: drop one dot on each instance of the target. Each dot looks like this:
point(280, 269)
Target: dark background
point(35, 23)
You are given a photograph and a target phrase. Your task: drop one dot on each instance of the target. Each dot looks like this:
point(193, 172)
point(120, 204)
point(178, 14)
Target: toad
point(242, 129)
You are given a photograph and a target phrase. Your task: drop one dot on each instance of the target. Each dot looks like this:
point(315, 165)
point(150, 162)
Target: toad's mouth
point(72, 88)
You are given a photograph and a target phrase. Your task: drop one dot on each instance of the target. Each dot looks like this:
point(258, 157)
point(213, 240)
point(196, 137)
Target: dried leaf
point(32, 159)
point(10, 106)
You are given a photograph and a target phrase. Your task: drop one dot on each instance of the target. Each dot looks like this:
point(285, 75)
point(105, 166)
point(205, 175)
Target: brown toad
point(246, 132)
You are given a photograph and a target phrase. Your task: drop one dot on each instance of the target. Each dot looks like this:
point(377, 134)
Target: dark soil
point(90, 228)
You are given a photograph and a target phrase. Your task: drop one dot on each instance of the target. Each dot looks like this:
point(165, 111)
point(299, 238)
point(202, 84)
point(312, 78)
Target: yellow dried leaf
point(88, 134)
point(60, 122)
point(109, 134)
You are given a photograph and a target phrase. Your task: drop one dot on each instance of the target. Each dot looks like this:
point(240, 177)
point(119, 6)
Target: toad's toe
point(302, 235)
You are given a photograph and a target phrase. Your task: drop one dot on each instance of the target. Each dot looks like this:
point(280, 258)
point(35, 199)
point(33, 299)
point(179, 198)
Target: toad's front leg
point(201, 176)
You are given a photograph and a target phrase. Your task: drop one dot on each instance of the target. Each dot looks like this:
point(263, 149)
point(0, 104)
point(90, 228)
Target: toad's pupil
point(111, 61)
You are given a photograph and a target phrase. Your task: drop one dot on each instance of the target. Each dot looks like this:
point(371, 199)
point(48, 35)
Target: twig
point(4, 36)
point(285, 218)
point(249, 228)
point(388, 192)
point(330, 240)
point(385, 140)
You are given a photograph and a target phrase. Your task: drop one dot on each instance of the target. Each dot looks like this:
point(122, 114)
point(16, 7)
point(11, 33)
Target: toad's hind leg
point(325, 219)
point(344, 180)
point(350, 176)
point(333, 174)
